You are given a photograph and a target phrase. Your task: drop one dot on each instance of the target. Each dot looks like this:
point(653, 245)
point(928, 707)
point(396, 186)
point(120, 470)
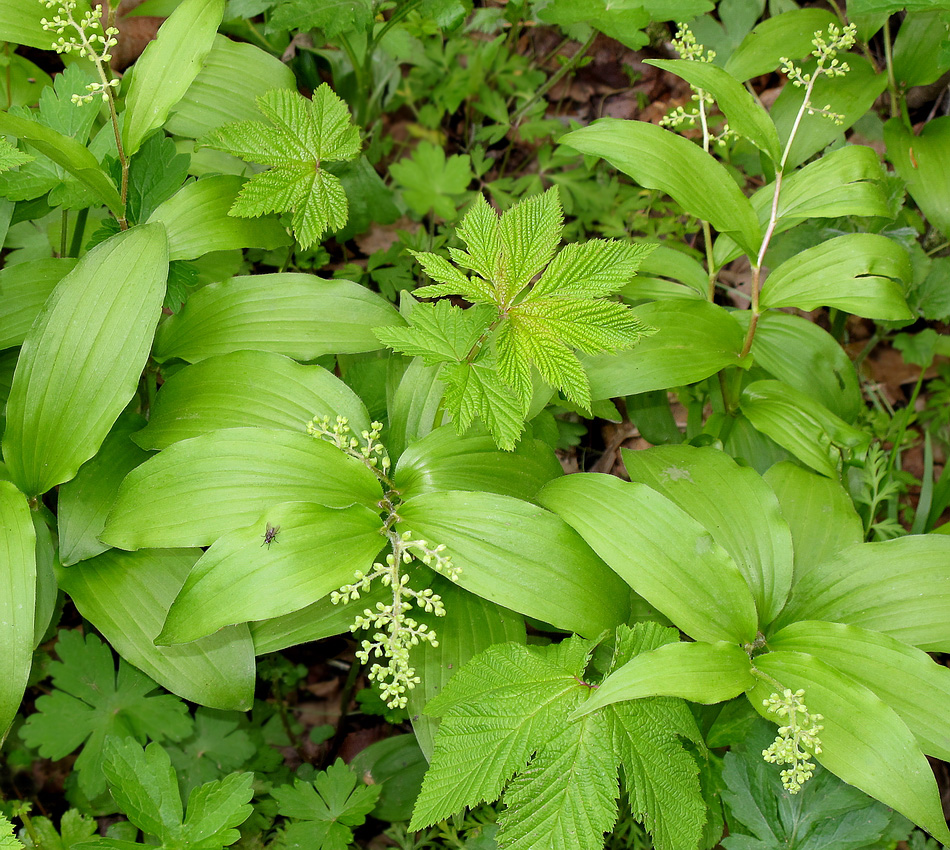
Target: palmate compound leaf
point(301, 135)
point(90, 701)
point(505, 722)
point(536, 326)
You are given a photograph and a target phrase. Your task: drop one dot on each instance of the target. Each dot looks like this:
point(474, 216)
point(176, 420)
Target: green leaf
point(475, 390)
point(788, 34)
point(863, 741)
point(698, 671)
point(920, 57)
point(20, 22)
point(744, 115)
point(921, 161)
point(907, 679)
point(240, 578)
point(444, 461)
point(247, 389)
point(659, 159)
point(332, 16)
point(25, 288)
point(214, 811)
point(197, 490)
point(819, 512)
point(126, 595)
point(300, 136)
point(862, 273)
point(851, 96)
point(878, 586)
point(90, 702)
point(520, 556)
point(17, 599)
point(440, 332)
point(888, 7)
point(85, 501)
point(167, 67)
point(825, 813)
point(197, 223)
point(156, 172)
point(232, 76)
point(623, 21)
point(430, 181)
point(693, 341)
point(83, 357)
point(326, 810)
point(297, 315)
point(415, 408)
point(66, 152)
point(800, 424)
point(734, 505)
point(10, 157)
point(474, 625)
point(661, 552)
point(803, 355)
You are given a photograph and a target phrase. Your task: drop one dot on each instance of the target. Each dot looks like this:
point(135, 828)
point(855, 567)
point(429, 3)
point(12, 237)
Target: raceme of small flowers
point(797, 742)
point(395, 631)
point(826, 51)
point(86, 41)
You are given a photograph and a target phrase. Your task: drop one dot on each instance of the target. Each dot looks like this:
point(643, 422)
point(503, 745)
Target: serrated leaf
point(10, 157)
point(215, 809)
point(528, 234)
point(475, 390)
point(440, 332)
point(430, 180)
point(593, 268)
point(300, 136)
point(90, 702)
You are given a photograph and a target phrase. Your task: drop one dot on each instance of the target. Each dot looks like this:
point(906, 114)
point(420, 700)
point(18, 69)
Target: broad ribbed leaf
point(899, 587)
point(659, 159)
point(906, 678)
point(698, 671)
point(819, 513)
point(298, 315)
point(126, 595)
point(800, 424)
point(803, 355)
point(232, 76)
point(247, 388)
point(863, 741)
point(922, 161)
point(444, 461)
point(789, 34)
point(67, 152)
point(661, 552)
point(520, 556)
point(167, 67)
point(415, 408)
point(85, 502)
point(197, 221)
point(20, 23)
point(197, 490)
point(734, 505)
point(24, 288)
point(744, 115)
point(471, 624)
point(862, 273)
point(82, 359)
point(313, 551)
point(693, 341)
point(17, 597)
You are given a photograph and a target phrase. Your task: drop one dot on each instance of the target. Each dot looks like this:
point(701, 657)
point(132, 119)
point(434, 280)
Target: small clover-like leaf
point(300, 137)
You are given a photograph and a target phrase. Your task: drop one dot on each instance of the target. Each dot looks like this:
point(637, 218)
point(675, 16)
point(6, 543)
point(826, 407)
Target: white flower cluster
point(370, 450)
point(685, 44)
point(797, 742)
point(88, 39)
point(826, 51)
point(396, 633)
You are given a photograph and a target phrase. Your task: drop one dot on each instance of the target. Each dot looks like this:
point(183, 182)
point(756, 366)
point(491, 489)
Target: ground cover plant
point(434, 424)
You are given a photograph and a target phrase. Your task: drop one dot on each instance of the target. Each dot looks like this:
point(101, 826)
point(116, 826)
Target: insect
point(270, 535)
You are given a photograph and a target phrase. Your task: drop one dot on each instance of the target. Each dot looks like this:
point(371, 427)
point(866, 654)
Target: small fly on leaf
point(270, 535)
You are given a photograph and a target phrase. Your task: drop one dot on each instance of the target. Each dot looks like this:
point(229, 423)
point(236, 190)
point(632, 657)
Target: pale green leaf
point(593, 268)
point(10, 157)
point(440, 332)
point(528, 236)
point(475, 390)
point(479, 231)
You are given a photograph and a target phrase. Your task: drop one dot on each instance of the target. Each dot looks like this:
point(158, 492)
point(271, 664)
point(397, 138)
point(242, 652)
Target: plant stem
point(891, 81)
point(64, 226)
point(79, 230)
point(565, 69)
